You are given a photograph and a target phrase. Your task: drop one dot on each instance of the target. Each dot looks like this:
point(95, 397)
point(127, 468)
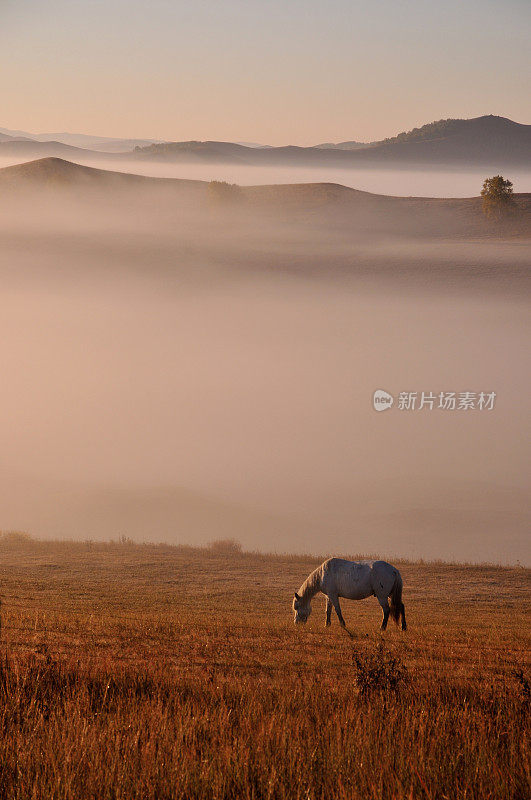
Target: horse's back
point(357, 579)
point(340, 563)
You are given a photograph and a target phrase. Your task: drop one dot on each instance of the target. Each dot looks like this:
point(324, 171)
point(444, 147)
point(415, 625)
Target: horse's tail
point(396, 604)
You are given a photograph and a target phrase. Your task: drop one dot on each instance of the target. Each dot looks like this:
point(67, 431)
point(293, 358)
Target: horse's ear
point(297, 596)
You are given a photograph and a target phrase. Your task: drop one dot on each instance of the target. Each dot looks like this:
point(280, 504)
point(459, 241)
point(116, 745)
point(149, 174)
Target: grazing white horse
point(354, 580)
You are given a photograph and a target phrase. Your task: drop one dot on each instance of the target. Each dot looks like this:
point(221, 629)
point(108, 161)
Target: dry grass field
point(143, 671)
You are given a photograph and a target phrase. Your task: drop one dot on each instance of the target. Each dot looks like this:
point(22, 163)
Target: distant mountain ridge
point(489, 142)
point(109, 144)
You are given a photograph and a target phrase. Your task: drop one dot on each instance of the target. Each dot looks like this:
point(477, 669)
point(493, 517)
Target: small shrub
point(379, 671)
point(223, 192)
point(225, 546)
point(16, 538)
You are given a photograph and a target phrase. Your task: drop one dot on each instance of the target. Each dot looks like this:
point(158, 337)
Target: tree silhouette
point(497, 194)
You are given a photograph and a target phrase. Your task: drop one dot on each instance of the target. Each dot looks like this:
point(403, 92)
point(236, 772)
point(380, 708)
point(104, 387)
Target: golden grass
point(143, 671)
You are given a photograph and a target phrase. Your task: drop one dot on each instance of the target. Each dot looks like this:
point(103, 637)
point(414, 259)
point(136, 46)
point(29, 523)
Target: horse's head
point(301, 609)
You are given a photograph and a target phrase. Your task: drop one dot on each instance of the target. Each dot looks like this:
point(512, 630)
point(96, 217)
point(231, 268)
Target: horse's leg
point(335, 603)
point(328, 612)
point(386, 610)
point(403, 615)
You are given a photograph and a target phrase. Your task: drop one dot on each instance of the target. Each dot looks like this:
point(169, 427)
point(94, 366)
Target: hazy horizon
point(44, 135)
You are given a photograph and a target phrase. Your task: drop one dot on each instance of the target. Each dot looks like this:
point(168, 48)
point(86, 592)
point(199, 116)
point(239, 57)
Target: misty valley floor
point(154, 672)
point(175, 374)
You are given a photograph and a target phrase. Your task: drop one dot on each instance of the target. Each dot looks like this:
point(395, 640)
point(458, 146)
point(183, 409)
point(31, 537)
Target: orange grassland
point(144, 671)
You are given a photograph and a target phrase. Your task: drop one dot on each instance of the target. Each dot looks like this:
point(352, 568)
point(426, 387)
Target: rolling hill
point(52, 172)
point(332, 205)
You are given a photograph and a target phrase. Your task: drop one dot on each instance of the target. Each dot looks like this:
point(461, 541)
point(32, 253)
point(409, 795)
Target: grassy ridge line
point(15, 540)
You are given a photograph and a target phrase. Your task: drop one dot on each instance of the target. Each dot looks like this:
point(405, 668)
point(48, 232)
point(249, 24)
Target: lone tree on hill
point(497, 194)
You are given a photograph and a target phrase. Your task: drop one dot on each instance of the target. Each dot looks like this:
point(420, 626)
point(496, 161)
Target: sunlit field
point(145, 671)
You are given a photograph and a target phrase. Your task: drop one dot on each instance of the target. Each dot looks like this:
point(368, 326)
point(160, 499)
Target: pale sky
point(271, 71)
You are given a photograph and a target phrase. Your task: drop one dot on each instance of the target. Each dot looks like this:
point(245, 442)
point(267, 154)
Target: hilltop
point(441, 129)
point(53, 172)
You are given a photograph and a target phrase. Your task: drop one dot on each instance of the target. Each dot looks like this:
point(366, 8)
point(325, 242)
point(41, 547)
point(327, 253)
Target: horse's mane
point(311, 585)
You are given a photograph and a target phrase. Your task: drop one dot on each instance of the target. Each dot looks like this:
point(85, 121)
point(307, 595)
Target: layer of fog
point(153, 389)
point(398, 182)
